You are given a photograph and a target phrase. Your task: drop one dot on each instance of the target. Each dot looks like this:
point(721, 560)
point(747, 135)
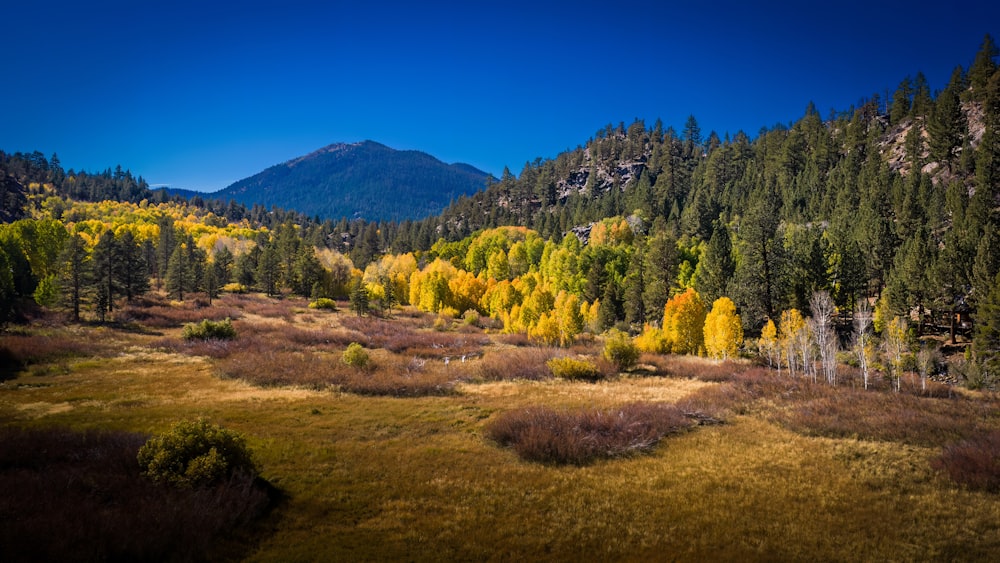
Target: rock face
point(895, 152)
point(366, 179)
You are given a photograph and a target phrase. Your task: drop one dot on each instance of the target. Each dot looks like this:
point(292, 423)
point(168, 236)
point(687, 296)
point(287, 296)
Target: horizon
point(204, 96)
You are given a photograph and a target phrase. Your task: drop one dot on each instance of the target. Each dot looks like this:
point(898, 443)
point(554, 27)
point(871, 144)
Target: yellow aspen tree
point(568, 317)
point(789, 329)
point(723, 329)
point(767, 344)
point(684, 322)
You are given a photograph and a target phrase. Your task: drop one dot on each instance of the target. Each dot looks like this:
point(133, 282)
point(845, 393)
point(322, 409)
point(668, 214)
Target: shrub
point(355, 356)
point(471, 317)
point(195, 454)
point(209, 330)
point(324, 303)
point(974, 462)
point(620, 350)
point(548, 436)
point(572, 368)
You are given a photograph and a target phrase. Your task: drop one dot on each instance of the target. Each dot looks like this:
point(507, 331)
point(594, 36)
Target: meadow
point(406, 458)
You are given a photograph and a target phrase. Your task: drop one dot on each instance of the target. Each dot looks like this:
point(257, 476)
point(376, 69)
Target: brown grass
point(81, 497)
point(398, 337)
point(548, 436)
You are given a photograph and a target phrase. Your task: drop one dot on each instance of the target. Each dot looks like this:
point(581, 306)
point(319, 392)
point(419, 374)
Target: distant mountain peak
point(363, 179)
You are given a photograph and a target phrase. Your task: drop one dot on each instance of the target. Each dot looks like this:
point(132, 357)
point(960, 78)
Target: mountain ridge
point(364, 179)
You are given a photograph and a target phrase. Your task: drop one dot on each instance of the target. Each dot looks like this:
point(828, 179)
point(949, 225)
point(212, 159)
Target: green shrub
point(571, 368)
point(355, 356)
point(197, 453)
point(620, 350)
point(209, 330)
point(471, 317)
point(324, 303)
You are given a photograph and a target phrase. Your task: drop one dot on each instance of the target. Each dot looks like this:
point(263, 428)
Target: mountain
point(365, 179)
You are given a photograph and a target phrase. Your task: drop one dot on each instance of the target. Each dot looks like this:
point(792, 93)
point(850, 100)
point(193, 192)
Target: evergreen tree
point(105, 263)
point(716, 266)
point(659, 272)
point(76, 271)
point(986, 343)
point(131, 269)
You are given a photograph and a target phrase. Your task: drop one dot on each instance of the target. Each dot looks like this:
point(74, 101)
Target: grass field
point(401, 469)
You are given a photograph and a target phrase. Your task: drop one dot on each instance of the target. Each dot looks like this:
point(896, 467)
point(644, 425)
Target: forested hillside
point(891, 205)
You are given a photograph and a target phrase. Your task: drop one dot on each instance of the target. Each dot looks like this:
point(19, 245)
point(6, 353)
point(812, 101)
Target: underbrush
point(398, 337)
point(516, 363)
point(17, 351)
point(577, 438)
point(81, 497)
point(391, 375)
point(153, 312)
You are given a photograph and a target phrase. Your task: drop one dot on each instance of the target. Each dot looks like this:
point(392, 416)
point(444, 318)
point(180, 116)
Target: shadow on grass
point(72, 496)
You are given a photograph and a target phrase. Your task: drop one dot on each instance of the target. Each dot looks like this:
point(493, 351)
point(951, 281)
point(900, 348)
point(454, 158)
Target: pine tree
point(716, 266)
point(131, 270)
point(105, 263)
point(76, 271)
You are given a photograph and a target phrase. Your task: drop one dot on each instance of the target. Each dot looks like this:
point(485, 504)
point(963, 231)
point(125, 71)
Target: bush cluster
point(324, 303)
point(620, 350)
point(572, 368)
point(196, 453)
point(209, 330)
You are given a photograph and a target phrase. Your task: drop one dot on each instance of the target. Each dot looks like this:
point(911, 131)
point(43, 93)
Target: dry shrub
point(265, 306)
point(273, 368)
point(974, 462)
point(545, 435)
point(516, 363)
point(392, 376)
point(398, 337)
point(693, 367)
point(397, 376)
point(170, 316)
point(884, 415)
point(515, 339)
point(81, 497)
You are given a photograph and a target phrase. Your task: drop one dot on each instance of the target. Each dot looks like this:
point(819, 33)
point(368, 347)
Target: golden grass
point(384, 478)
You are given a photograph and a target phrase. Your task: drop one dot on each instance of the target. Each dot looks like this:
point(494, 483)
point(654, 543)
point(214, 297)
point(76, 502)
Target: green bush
point(198, 453)
point(355, 356)
point(620, 350)
point(471, 317)
point(324, 303)
point(209, 330)
point(571, 368)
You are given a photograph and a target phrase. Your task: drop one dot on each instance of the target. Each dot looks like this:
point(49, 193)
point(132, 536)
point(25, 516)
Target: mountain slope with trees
point(364, 179)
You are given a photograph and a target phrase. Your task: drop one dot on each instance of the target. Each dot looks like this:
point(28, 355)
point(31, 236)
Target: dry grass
point(974, 462)
point(376, 477)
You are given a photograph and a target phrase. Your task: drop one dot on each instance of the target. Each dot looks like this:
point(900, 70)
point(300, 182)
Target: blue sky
point(198, 95)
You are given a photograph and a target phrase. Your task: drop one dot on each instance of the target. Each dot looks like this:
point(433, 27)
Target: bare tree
point(863, 336)
point(824, 333)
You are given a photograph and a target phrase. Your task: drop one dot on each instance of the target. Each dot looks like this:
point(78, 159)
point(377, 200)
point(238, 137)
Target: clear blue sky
point(198, 95)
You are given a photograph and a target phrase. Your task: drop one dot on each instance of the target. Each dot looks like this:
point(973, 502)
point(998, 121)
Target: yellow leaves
point(684, 322)
point(723, 329)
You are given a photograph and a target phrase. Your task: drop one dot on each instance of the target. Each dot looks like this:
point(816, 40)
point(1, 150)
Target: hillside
point(364, 179)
